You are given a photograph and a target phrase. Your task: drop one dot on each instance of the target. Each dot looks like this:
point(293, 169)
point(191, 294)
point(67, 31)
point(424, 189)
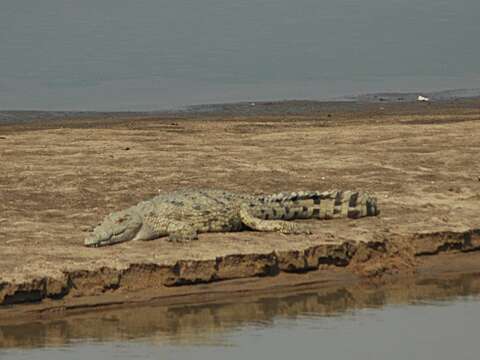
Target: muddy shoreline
point(94, 291)
point(221, 306)
point(60, 176)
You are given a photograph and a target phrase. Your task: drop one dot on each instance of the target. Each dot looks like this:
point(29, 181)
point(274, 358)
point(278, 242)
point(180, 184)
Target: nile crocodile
point(181, 215)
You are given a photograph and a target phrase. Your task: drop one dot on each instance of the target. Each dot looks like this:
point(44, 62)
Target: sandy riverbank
point(59, 177)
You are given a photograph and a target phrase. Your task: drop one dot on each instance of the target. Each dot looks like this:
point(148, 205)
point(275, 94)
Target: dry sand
point(58, 178)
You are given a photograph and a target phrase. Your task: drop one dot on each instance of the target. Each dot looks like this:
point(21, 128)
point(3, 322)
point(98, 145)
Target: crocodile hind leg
point(281, 226)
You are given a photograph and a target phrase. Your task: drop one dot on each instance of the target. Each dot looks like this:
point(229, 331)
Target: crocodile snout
point(97, 238)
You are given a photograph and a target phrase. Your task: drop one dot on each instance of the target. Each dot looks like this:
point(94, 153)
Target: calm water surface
point(155, 54)
point(437, 319)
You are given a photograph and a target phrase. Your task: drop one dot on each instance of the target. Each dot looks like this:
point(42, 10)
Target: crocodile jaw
point(97, 239)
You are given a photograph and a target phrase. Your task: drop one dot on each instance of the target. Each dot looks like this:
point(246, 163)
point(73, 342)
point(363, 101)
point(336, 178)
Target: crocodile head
point(117, 227)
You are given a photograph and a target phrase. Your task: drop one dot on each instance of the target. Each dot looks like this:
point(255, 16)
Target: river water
point(428, 319)
point(118, 55)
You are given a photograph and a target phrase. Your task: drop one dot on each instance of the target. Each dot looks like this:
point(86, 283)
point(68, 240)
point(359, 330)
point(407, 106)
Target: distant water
point(115, 55)
point(434, 319)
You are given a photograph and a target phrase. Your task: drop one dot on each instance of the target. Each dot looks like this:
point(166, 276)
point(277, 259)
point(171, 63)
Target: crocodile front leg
point(179, 231)
point(281, 226)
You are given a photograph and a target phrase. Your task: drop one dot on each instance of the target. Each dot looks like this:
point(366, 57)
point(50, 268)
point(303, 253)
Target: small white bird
point(422, 98)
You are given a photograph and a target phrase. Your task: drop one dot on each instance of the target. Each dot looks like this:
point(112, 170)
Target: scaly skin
point(182, 215)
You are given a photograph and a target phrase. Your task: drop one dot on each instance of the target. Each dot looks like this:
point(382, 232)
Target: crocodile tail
point(319, 205)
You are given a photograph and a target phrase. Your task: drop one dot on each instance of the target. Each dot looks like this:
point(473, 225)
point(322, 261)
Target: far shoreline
point(252, 107)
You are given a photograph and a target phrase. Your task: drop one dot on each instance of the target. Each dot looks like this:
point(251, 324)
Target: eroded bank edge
point(391, 255)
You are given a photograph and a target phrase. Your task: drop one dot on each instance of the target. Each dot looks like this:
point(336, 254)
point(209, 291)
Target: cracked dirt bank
point(58, 178)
